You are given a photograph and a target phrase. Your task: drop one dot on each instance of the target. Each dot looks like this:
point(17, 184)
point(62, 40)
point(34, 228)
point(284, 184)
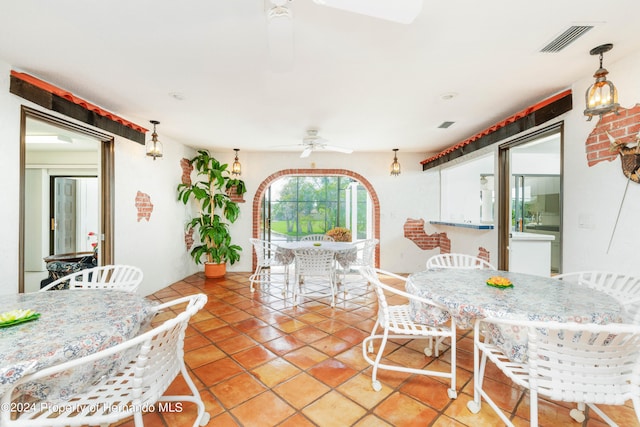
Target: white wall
point(156, 246)
point(9, 183)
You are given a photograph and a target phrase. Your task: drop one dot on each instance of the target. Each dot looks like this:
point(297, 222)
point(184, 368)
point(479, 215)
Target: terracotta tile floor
point(259, 361)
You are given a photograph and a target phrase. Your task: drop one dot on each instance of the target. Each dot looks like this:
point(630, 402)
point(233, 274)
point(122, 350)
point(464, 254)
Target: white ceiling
point(202, 67)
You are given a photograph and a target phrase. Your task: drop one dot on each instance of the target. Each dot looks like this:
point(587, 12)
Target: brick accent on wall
point(257, 200)
point(623, 127)
point(187, 168)
point(234, 196)
point(144, 206)
point(188, 239)
point(484, 254)
point(414, 231)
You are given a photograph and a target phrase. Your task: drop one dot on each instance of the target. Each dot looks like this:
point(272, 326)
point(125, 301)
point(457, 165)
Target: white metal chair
point(119, 277)
point(396, 322)
point(314, 269)
point(317, 238)
point(458, 261)
point(365, 256)
point(140, 383)
point(624, 288)
point(266, 259)
point(571, 362)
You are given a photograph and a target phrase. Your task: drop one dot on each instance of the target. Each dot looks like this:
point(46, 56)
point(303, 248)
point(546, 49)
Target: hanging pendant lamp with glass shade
point(602, 96)
point(153, 146)
point(395, 166)
point(236, 167)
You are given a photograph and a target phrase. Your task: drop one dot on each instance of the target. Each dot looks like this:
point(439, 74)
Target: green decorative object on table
point(14, 317)
point(499, 282)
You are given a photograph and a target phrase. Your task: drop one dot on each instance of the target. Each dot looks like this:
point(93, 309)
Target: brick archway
point(257, 200)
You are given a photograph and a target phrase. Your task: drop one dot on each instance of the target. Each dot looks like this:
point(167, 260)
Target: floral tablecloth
point(72, 324)
point(467, 296)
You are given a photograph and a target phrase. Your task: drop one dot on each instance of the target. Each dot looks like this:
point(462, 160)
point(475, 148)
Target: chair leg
point(578, 413)
point(452, 391)
point(474, 405)
point(374, 374)
point(255, 277)
point(533, 405)
point(369, 340)
point(602, 415)
point(137, 419)
point(286, 280)
point(334, 286)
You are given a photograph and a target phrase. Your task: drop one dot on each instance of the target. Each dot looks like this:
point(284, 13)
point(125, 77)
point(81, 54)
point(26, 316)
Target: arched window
point(295, 206)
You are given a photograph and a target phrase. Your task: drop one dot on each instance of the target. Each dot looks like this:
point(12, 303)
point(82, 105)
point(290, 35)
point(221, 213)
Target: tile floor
point(259, 361)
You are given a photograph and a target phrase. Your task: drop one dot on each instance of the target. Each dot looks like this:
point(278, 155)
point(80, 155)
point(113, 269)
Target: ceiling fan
point(312, 142)
point(280, 25)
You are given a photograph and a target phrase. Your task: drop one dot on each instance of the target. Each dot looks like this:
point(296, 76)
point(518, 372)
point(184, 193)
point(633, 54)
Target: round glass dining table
point(72, 324)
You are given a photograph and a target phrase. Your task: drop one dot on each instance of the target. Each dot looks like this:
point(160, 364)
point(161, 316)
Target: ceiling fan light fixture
point(602, 96)
point(153, 147)
point(400, 11)
point(395, 166)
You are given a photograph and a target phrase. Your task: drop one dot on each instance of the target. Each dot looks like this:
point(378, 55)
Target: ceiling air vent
point(566, 38)
point(445, 125)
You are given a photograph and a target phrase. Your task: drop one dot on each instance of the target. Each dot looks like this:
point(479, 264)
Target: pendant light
point(153, 146)
point(236, 167)
point(602, 96)
point(395, 166)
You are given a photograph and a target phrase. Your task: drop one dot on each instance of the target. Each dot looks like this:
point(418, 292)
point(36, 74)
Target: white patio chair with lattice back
point(396, 322)
point(317, 238)
point(317, 267)
point(156, 359)
point(267, 258)
point(458, 261)
point(624, 288)
point(365, 251)
point(118, 277)
point(581, 363)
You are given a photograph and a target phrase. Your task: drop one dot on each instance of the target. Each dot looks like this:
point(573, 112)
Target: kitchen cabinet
point(530, 253)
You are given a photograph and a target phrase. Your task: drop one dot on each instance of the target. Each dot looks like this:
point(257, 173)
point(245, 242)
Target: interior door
point(64, 216)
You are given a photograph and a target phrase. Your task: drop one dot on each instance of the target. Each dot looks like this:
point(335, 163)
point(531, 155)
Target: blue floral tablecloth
point(467, 297)
point(72, 324)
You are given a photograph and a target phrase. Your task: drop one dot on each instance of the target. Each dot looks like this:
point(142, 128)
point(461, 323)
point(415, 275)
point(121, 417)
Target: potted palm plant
point(217, 210)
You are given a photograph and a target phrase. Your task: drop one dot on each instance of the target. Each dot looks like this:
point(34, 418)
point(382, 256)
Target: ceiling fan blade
point(401, 11)
point(306, 152)
point(338, 149)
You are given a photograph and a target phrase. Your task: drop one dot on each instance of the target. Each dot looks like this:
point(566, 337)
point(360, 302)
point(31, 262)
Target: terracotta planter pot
point(214, 271)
